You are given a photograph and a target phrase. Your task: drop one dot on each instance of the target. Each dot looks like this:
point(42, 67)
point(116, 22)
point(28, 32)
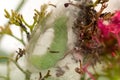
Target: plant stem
point(3, 77)
point(20, 5)
point(20, 40)
point(8, 70)
point(26, 23)
point(27, 73)
point(29, 26)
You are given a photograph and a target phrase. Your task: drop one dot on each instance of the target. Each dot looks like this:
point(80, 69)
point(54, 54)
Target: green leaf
point(59, 44)
point(3, 53)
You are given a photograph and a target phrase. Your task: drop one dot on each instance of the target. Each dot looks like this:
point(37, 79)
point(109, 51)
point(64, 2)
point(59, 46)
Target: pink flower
point(116, 18)
point(113, 54)
point(112, 28)
point(103, 28)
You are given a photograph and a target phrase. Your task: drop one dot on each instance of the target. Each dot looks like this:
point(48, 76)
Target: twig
point(20, 5)
point(27, 73)
point(46, 76)
point(3, 77)
point(8, 70)
point(20, 40)
point(20, 53)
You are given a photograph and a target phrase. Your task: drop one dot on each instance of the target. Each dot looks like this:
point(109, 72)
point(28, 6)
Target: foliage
point(97, 40)
point(97, 37)
point(57, 48)
point(17, 19)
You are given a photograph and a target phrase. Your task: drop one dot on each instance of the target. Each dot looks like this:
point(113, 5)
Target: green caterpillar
point(58, 44)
